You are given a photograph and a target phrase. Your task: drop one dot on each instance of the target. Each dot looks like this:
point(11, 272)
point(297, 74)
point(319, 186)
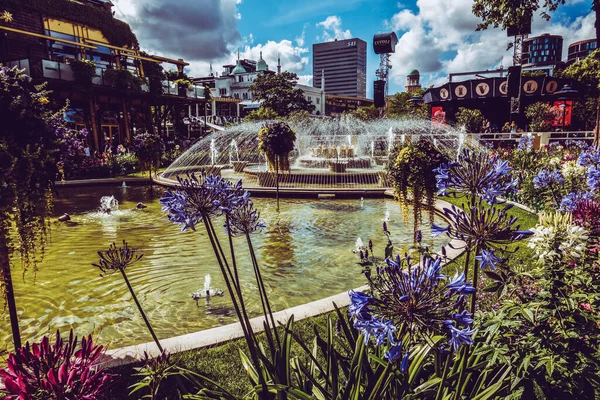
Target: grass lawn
point(141, 174)
point(222, 363)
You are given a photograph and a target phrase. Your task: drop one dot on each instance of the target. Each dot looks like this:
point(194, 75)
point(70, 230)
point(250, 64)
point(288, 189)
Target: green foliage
point(411, 169)
point(149, 148)
point(549, 331)
point(365, 113)
point(299, 117)
point(539, 115)
point(533, 74)
point(83, 72)
point(117, 32)
point(276, 140)
point(400, 106)
point(471, 119)
point(278, 93)
point(262, 114)
point(124, 80)
point(507, 13)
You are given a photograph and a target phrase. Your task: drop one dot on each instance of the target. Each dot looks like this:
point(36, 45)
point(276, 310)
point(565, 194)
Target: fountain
point(387, 216)
point(208, 291)
point(359, 245)
point(108, 204)
point(331, 154)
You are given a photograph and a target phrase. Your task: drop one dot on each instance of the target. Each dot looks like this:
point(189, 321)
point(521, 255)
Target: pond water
point(305, 254)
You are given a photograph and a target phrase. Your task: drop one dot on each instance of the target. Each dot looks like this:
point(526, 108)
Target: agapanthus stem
point(440, 390)
point(475, 280)
point(239, 308)
point(463, 368)
point(235, 270)
point(232, 293)
point(139, 306)
point(262, 288)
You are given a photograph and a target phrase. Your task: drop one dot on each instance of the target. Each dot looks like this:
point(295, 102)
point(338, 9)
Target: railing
point(21, 64)
point(544, 136)
point(57, 70)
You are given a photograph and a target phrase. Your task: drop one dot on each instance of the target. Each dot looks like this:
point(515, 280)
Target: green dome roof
point(261, 65)
point(414, 72)
point(239, 68)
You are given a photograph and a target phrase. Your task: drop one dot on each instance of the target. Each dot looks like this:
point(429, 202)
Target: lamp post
point(566, 94)
point(415, 102)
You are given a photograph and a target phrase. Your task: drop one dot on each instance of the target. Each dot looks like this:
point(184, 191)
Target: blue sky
point(436, 36)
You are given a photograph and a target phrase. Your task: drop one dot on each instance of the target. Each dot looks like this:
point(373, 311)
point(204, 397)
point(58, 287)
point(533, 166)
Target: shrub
point(62, 371)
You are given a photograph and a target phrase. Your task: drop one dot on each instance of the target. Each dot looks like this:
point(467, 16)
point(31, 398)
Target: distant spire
point(323, 80)
point(211, 71)
point(278, 64)
point(261, 55)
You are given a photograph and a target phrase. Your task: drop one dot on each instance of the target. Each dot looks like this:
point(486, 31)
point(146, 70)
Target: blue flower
point(459, 285)
point(460, 337)
point(394, 353)
point(546, 178)
point(463, 318)
point(593, 178)
point(382, 330)
point(438, 230)
point(589, 158)
point(525, 143)
point(359, 305)
point(570, 201)
point(488, 259)
point(404, 363)
point(243, 218)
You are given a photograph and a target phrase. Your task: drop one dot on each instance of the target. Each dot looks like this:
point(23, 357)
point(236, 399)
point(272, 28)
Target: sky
point(436, 37)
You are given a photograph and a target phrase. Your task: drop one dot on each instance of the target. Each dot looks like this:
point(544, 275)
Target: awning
point(250, 104)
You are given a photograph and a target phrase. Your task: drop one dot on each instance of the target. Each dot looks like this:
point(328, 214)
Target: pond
point(305, 254)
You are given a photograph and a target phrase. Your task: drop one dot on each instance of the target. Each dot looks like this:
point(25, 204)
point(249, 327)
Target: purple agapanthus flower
point(477, 174)
point(546, 178)
point(570, 201)
point(410, 298)
point(525, 143)
point(593, 178)
point(488, 259)
point(589, 158)
point(243, 219)
point(460, 337)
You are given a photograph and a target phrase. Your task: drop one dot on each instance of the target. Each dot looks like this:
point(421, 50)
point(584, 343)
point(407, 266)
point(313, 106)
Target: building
point(234, 84)
point(580, 50)
point(412, 81)
point(344, 63)
point(120, 93)
point(337, 105)
point(542, 50)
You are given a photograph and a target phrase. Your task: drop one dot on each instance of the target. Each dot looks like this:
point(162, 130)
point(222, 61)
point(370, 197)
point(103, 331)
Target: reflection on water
point(305, 254)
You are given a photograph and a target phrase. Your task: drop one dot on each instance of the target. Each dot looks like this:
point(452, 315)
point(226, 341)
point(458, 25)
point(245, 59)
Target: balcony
point(20, 64)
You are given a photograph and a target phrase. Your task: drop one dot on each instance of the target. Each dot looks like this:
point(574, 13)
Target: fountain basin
point(356, 162)
point(305, 253)
point(317, 177)
point(238, 166)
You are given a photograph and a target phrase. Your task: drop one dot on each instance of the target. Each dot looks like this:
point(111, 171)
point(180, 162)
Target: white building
point(235, 83)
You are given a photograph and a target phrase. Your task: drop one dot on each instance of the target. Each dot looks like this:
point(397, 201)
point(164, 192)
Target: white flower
point(570, 170)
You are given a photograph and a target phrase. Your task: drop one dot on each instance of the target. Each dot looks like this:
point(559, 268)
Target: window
point(236, 95)
point(60, 50)
point(222, 91)
point(310, 99)
point(241, 79)
point(245, 95)
point(318, 100)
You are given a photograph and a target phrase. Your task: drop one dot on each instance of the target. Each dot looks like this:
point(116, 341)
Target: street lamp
point(415, 102)
point(566, 93)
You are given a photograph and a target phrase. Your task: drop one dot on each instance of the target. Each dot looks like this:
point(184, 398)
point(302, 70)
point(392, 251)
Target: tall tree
point(508, 13)
point(29, 139)
point(400, 106)
point(278, 93)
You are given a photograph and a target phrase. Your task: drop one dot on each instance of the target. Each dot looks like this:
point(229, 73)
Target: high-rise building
point(344, 63)
point(542, 50)
point(580, 50)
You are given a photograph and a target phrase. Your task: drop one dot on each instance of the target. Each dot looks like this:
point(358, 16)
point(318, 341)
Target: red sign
point(438, 115)
point(562, 111)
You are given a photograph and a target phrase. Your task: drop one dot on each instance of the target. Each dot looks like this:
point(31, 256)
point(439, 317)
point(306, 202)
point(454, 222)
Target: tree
point(276, 140)
point(28, 146)
point(400, 106)
point(539, 115)
point(262, 114)
point(365, 113)
point(508, 13)
point(471, 119)
point(149, 148)
point(277, 93)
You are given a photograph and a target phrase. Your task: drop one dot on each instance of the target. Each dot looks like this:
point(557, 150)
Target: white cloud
point(238, 16)
point(332, 29)
point(437, 43)
point(300, 39)
point(305, 80)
